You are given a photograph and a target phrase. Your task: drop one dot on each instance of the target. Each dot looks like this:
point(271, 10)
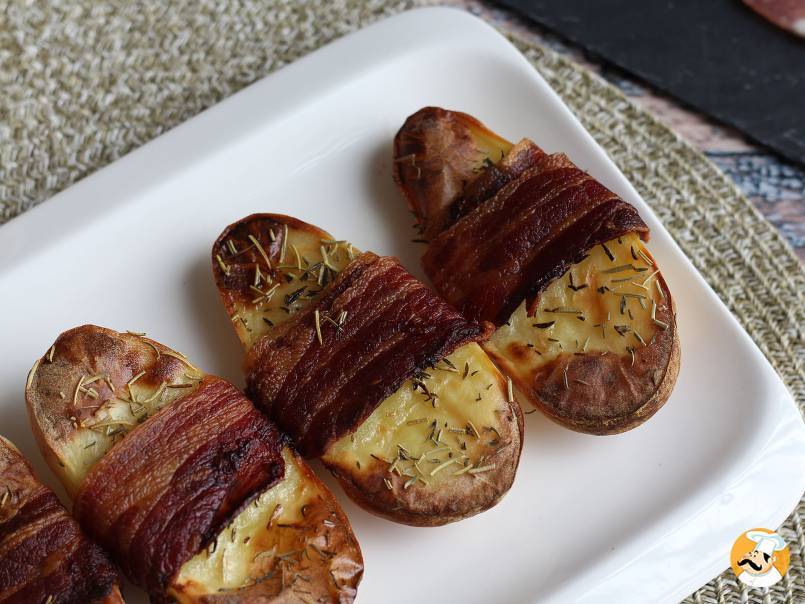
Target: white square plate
point(649, 515)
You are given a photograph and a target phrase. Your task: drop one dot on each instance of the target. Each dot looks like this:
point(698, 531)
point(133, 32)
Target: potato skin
point(626, 422)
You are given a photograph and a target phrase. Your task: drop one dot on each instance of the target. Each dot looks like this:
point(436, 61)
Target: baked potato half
point(44, 557)
point(597, 350)
point(443, 447)
point(291, 543)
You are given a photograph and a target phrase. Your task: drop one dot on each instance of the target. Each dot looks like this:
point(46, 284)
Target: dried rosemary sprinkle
point(474, 432)
point(224, 266)
point(545, 325)
point(260, 249)
point(463, 470)
point(449, 368)
point(619, 269)
point(387, 482)
point(31, 374)
point(481, 469)
point(77, 390)
point(442, 466)
point(607, 252)
point(564, 377)
point(410, 482)
point(564, 310)
point(284, 242)
point(182, 358)
point(622, 329)
point(130, 383)
point(90, 392)
point(650, 276)
point(317, 319)
point(298, 257)
point(156, 350)
point(50, 353)
point(645, 257)
point(294, 295)
point(510, 388)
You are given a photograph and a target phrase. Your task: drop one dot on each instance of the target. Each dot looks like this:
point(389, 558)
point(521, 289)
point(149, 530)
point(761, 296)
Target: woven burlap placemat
point(85, 82)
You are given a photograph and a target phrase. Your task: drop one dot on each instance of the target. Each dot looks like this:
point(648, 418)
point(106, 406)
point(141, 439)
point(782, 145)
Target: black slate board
point(717, 56)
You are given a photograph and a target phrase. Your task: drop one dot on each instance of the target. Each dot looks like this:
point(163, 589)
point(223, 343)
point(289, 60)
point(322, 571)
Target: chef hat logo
point(759, 558)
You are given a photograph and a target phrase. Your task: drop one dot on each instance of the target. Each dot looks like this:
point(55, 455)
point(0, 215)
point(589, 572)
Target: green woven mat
point(87, 81)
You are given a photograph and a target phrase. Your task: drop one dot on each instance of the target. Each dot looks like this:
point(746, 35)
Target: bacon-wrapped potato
point(586, 326)
point(44, 556)
point(367, 369)
point(174, 472)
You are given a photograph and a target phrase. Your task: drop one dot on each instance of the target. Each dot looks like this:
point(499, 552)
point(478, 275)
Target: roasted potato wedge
point(599, 353)
point(293, 542)
point(442, 447)
point(44, 557)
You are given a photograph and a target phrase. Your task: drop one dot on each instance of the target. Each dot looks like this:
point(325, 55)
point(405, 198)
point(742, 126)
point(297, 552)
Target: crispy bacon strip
point(167, 490)
point(523, 156)
point(378, 326)
point(512, 246)
point(43, 554)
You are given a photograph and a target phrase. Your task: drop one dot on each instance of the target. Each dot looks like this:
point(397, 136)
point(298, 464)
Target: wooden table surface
point(774, 185)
